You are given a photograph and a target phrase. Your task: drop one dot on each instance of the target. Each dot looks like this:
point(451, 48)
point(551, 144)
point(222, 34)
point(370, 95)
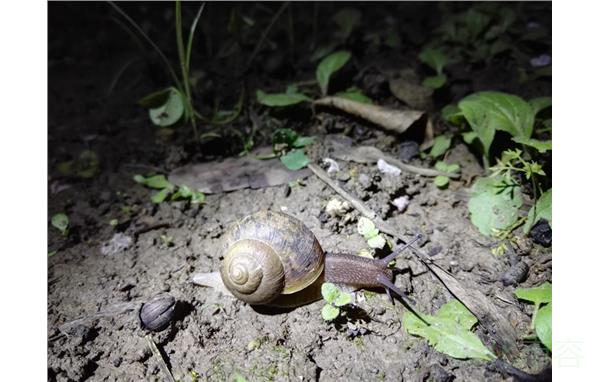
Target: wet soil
point(101, 267)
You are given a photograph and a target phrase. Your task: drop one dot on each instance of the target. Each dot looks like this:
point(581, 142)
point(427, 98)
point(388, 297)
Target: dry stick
point(266, 33)
point(487, 313)
point(161, 361)
point(418, 170)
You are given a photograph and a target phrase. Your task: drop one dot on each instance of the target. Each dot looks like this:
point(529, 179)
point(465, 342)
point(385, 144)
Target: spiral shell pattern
point(268, 254)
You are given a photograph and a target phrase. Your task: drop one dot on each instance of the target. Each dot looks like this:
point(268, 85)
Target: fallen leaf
point(390, 119)
point(235, 174)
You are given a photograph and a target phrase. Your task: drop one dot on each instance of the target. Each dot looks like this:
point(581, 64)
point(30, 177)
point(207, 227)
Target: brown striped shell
point(268, 254)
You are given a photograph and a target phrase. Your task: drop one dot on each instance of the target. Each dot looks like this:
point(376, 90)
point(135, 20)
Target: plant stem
point(149, 40)
point(184, 67)
point(266, 33)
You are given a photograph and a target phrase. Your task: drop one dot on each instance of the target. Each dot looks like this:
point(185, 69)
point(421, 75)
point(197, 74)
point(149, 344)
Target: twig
point(265, 33)
point(418, 170)
point(360, 207)
point(112, 310)
point(161, 361)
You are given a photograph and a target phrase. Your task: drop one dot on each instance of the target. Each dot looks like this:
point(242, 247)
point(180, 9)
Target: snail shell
point(268, 254)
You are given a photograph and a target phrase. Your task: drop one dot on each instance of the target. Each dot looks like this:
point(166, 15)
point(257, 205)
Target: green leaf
point(543, 325)
point(435, 82)
point(280, 99)
point(330, 65)
point(329, 292)
point(433, 58)
point(454, 310)
point(441, 144)
point(87, 165)
point(295, 160)
point(347, 19)
point(303, 142)
point(238, 378)
point(161, 195)
point(469, 137)
point(355, 94)
point(540, 103)
point(537, 295)
point(157, 181)
point(494, 205)
point(444, 167)
point(541, 146)
point(541, 210)
point(198, 197)
point(330, 312)
point(376, 241)
point(61, 222)
point(441, 181)
point(452, 114)
point(343, 299)
point(285, 137)
point(487, 112)
point(52, 253)
point(366, 228)
point(155, 99)
point(170, 111)
point(449, 332)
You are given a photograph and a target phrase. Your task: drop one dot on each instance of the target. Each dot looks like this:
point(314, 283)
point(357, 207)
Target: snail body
point(270, 258)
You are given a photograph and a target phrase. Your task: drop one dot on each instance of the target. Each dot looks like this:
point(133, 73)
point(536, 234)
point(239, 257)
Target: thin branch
point(148, 39)
point(266, 33)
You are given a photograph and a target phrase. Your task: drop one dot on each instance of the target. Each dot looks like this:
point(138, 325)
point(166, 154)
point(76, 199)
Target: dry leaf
point(413, 94)
point(395, 120)
point(234, 174)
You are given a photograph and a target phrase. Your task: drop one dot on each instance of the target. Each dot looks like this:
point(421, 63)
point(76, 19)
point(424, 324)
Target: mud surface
point(102, 272)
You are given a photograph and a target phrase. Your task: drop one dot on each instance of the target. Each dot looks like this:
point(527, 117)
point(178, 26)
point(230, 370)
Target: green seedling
point(167, 107)
point(367, 229)
point(61, 222)
point(330, 65)
point(442, 181)
point(289, 146)
point(335, 299)
point(166, 189)
point(541, 320)
point(436, 60)
point(167, 240)
point(449, 331)
point(326, 68)
point(86, 166)
point(512, 163)
point(441, 144)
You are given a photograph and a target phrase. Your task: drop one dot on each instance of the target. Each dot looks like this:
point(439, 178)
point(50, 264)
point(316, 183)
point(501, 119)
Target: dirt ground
point(100, 268)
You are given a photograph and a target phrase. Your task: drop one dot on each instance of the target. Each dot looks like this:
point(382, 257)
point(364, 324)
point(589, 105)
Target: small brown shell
point(267, 254)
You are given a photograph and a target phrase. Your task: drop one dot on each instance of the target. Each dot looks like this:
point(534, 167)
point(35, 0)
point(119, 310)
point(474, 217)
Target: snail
point(271, 258)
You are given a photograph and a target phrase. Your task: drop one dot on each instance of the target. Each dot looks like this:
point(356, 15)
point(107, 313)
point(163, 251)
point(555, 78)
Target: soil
point(102, 272)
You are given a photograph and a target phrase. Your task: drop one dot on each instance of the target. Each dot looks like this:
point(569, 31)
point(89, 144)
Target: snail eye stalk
point(388, 259)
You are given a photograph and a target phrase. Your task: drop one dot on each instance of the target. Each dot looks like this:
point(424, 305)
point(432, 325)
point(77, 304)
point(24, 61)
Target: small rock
point(337, 208)
point(408, 150)
point(333, 166)
point(401, 203)
point(364, 180)
point(515, 274)
point(387, 168)
point(541, 233)
point(343, 176)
